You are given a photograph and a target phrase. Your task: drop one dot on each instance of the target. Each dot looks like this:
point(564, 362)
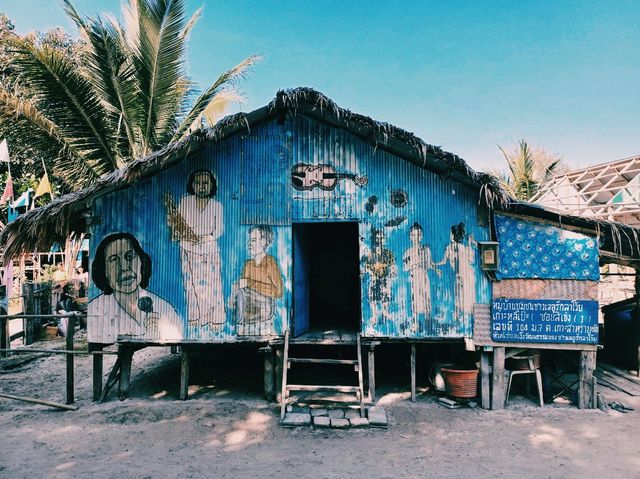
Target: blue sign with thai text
point(544, 321)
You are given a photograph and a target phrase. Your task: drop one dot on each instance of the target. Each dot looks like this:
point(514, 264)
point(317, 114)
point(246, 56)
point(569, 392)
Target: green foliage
point(91, 106)
point(46, 275)
point(527, 169)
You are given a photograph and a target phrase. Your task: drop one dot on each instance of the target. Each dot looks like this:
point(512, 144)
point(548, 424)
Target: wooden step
point(317, 387)
point(323, 361)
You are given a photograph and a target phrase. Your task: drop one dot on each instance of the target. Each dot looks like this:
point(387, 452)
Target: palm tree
point(528, 169)
point(126, 96)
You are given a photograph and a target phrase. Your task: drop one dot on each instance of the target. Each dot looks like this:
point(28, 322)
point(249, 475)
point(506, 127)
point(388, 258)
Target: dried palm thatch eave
point(39, 228)
point(314, 104)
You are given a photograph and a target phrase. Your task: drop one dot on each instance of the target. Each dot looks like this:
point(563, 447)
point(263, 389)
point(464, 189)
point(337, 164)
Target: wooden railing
point(70, 352)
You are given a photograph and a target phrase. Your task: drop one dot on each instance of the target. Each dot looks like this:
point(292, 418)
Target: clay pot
point(50, 332)
point(461, 382)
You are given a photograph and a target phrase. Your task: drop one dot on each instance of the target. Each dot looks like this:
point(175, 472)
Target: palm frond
point(527, 168)
point(224, 81)
point(158, 58)
point(113, 78)
point(64, 96)
point(192, 21)
point(45, 136)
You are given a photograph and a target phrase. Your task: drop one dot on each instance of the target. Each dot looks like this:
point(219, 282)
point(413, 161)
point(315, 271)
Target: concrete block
point(336, 413)
point(351, 413)
point(298, 409)
point(374, 410)
point(321, 422)
point(359, 422)
point(340, 423)
point(317, 412)
point(377, 417)
point(293, 419)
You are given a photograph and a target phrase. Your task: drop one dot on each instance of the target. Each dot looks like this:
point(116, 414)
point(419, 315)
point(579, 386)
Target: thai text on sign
point(544, 321)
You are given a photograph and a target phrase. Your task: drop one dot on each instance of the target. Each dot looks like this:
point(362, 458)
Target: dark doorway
point(326, 269)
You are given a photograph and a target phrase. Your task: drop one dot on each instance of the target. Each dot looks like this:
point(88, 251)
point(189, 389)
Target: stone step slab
point(294, 419)
point(321, 422)
point(340, 423)
point(359, 422)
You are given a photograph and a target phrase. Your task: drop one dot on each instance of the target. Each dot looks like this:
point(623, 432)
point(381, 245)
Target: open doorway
point(326, 277)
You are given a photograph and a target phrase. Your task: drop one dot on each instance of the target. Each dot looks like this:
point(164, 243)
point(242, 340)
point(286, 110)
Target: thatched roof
point(38, 229)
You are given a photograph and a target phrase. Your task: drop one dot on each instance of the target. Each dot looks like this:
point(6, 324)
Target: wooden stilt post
point(28, 324)
point(497, 392)
point(413, 372)
point(268, 374)
point(485, 379)
point(125, 372)
point(114, 375)
point(371, 361)
point(184, 374)
point(71, 325)
point(4, 336)
point(585, 387)
point(97, 370)
point(278, 370)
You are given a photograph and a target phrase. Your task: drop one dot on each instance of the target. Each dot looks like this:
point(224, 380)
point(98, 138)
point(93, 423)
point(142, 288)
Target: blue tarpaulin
point(536, 250)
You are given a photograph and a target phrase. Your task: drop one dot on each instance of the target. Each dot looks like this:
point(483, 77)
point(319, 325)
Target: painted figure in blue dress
point(197, 223)
point(460, 254)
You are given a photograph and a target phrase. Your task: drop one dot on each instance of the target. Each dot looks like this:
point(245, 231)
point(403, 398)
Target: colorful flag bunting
point(4, 152)
point(23, 200)
point(8, 191)
point(44, 187)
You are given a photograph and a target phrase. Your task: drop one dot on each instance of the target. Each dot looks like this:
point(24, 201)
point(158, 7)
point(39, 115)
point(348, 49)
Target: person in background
point(65, 305)
point(60, 275)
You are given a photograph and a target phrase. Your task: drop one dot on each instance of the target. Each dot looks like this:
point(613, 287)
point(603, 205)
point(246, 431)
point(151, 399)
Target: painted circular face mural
point(399, 198)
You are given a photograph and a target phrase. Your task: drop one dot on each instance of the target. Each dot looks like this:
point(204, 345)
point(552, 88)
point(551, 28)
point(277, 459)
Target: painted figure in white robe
point(417, 262)
point(126, 309)
point(197, 223)
point(460, 254)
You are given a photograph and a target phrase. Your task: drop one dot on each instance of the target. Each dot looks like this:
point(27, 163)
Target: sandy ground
point(226, 430)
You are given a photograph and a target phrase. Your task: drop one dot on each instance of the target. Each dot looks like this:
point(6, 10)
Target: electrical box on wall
point(488, 255)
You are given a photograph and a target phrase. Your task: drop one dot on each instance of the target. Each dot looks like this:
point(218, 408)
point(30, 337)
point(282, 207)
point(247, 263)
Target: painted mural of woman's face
point(415, 235)
point(122, 266)
point(202, 185)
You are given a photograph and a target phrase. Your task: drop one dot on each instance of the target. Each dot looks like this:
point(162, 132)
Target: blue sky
point(465, 75)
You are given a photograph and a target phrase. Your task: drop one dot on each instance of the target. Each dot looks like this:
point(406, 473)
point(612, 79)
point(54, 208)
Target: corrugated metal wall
point(397, 194)
point(266, 177)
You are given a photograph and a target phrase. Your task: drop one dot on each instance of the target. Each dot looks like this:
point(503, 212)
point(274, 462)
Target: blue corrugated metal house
point(306, 217)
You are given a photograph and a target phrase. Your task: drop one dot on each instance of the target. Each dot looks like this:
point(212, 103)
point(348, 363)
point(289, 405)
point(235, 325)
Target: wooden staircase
point(288, 361)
